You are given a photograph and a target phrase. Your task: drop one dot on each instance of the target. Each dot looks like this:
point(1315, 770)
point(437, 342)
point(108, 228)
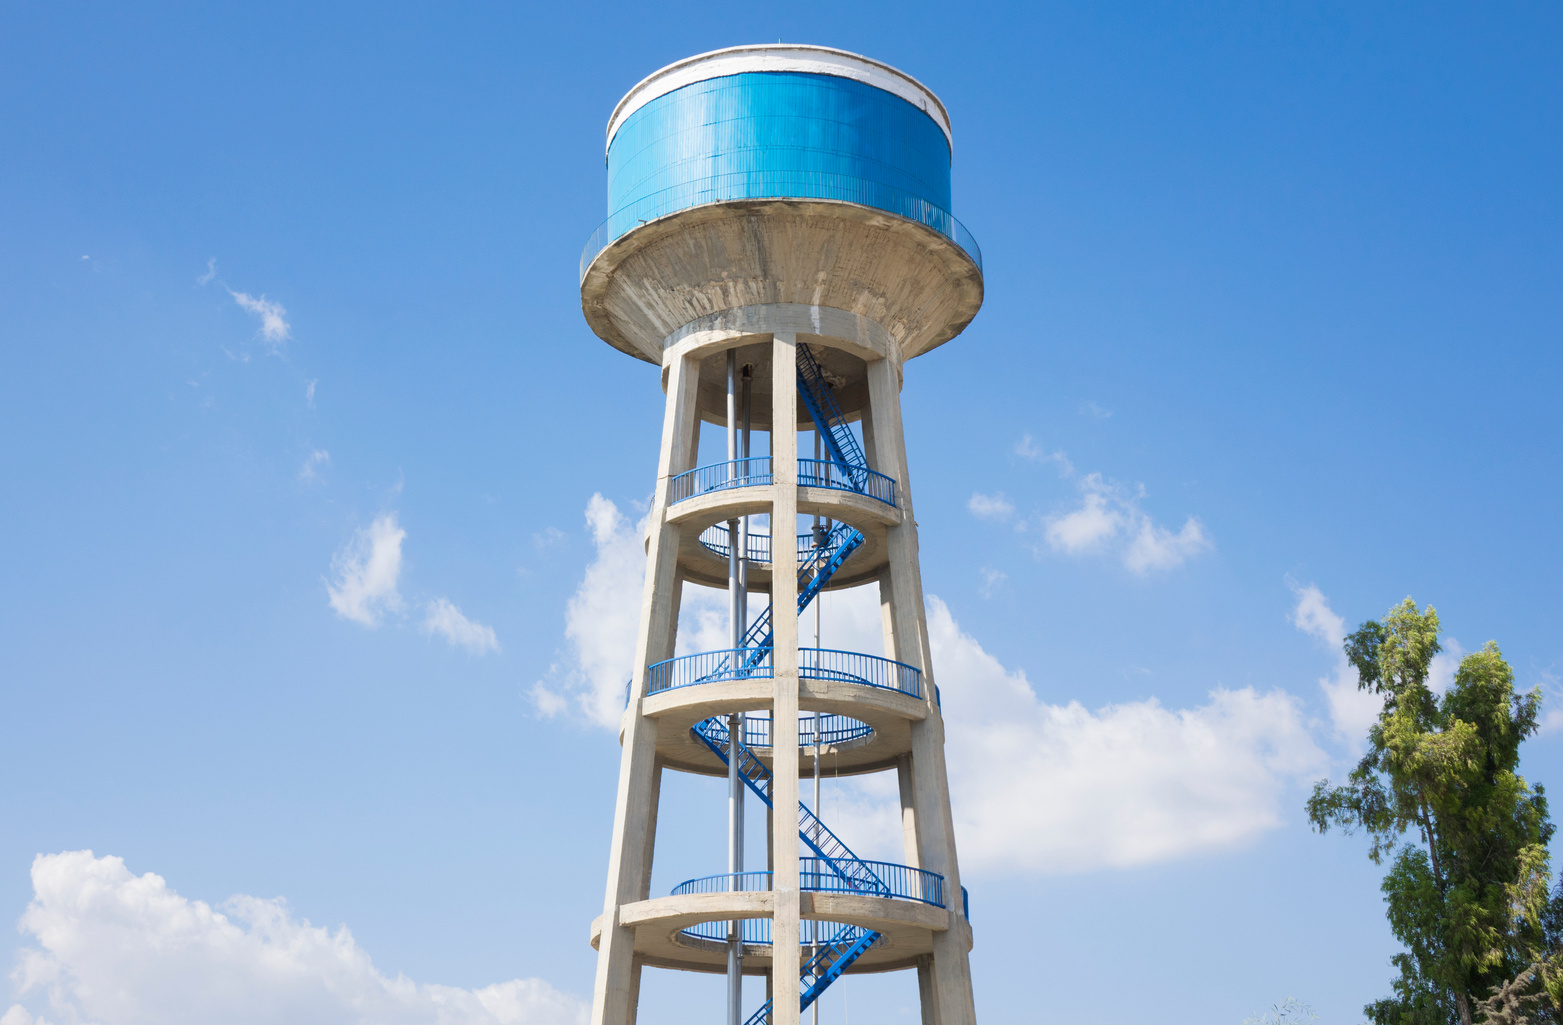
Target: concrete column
point(670, 621)
point(636, 967)
point(784, 620)
point(887, 616)
point(615, 989)
point(653, 802)
point(926, 993)
point(909, 835)
point(930, 797)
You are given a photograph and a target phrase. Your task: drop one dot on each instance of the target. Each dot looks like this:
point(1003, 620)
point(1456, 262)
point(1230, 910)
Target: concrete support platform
point(700, 565)
point(890, 714)
point(906, 929)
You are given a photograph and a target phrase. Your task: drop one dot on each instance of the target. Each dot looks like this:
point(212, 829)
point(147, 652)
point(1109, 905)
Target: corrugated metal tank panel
point(767, 135)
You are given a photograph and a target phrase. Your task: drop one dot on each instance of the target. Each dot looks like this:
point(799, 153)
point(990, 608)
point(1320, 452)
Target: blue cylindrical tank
point(776, 123)
point(762, 135)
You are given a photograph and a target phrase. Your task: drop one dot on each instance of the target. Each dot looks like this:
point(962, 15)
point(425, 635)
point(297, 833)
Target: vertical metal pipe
point(819, 603)
point(734, 470)
point(735, 866)
point(735, 797)
point(746, 407)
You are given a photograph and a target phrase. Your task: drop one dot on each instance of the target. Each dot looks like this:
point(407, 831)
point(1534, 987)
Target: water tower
point(780, 244)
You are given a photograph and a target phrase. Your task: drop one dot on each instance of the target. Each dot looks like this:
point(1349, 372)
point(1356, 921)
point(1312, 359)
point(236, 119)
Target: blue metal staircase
point(835, 955)
point(839, 441)
point(817, 568)
point(814, 572)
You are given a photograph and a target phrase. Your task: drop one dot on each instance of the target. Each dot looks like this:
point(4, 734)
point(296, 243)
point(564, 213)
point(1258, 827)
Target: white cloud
point(309, 391)
point(1086, 527)
point(1110, 513)
point(1038, 788)
point(600, 623)
point(1352, 710)
point(1046, 788)
point(211, 271)
point(312, 464)
point(992, 580)
point(1041, 789)
point(1027, 448)
point(989, 507)
point(446, 620)
point(1156, 547)
point(274, 325)
point(366, 572)
point(1440, 672)
point(112, 948)
point(1091, 409)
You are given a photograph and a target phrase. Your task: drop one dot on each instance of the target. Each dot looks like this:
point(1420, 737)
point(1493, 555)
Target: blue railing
point(714, 538)
point(779, 185)
point(727, 882)
point(830, 959)
point(709, 667)
point(756, 472)
point(902, 881)
point(756, 663)
point(833, 729)
point(758, 930)
point(824, 473)
point(735, 473)
point(854, 667)
point(816, 875)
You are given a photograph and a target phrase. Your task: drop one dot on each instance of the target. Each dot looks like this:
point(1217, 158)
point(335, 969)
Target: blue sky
point(1270, 342)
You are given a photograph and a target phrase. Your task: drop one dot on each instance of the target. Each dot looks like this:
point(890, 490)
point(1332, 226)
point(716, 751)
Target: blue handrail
point(854, 871)
point(816, 875)
point(735, 473)
point(901, 881)
point(726, 882)
point(815, 570)
point(833, 729)
point(756, 472)
point(826, 473)
point(830, 960)
point(709, 667)
point(819, 398)
point(757, 931)
point(865, 670)
point(756, 663)
point(714, 539)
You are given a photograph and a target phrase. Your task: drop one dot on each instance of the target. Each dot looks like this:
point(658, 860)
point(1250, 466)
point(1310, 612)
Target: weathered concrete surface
point(652, 281)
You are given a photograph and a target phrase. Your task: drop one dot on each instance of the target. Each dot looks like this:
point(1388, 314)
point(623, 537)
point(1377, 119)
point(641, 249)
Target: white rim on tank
point(809, 60)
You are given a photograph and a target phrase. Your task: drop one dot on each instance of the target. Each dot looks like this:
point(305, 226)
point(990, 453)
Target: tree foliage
point(1439, 795)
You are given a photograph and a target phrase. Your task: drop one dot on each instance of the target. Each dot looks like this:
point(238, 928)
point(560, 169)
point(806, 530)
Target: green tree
point(1467, 892)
